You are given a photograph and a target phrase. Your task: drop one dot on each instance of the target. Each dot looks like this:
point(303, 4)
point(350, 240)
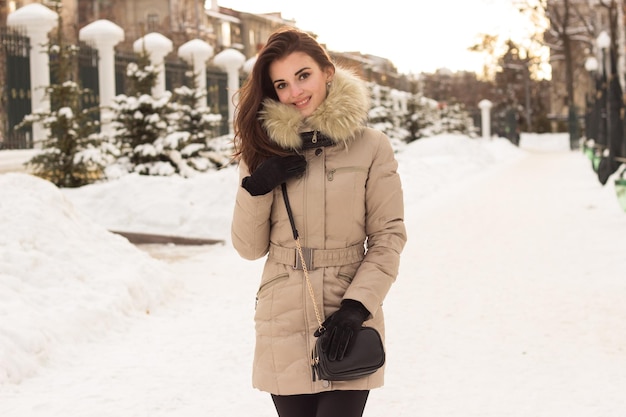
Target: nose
point(296, 90)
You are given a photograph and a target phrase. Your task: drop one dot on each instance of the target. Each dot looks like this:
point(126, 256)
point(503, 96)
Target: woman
point(302, 121)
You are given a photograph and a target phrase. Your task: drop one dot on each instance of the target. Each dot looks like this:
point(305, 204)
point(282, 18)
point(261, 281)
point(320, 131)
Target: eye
point(304, 75)
point(280, 86)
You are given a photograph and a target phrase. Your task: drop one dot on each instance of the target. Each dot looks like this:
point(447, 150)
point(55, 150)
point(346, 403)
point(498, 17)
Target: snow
point(13, 160)
point(509, 300)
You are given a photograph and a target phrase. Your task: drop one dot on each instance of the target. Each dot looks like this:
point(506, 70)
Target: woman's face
point(300, 82)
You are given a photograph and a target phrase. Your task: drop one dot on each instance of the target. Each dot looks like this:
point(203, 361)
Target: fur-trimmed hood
point(340, 116)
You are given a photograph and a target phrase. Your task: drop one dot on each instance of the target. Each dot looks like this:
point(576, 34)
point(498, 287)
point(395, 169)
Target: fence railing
point(16, 96)
point(15, 102)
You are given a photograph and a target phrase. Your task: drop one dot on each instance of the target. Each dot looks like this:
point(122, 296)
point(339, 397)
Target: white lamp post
point(104, 35)
point(37, 20)
point(196, 52)
point(485, 108)
point(231, 60)
point(157, 46)
point(591, 119)
point(604, 42)
point(249, 65)
point(591, 64)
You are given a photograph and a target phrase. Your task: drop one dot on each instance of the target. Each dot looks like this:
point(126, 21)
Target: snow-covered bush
point(167, 135)
point(406, 117)
point(194, 119)
point(73, 153)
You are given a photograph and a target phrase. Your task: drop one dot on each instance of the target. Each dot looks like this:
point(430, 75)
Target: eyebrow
point(297, 72)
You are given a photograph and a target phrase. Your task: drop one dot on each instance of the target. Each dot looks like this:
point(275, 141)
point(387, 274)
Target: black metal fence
point(217, 95)
point(88, 76)
point(177, 74)
point(15, 99)
point(16, 96)
point(122, 60)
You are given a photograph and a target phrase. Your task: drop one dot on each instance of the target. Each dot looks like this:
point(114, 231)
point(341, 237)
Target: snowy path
point(507, 314)
point(498, 311)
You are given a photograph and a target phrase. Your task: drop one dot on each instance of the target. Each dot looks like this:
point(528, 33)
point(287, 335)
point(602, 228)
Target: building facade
point(575, 26)
point(181, 21)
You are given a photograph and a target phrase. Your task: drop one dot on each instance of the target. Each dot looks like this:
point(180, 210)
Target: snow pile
point(433, 164)
point(63, 278)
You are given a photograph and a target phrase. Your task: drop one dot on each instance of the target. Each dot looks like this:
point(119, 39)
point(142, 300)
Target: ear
point(330, 73)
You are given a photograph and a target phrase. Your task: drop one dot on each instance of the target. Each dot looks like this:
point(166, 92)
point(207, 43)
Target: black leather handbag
point(367, 354)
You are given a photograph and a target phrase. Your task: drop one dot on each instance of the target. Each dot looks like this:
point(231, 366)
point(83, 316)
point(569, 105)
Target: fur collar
point(340, 116)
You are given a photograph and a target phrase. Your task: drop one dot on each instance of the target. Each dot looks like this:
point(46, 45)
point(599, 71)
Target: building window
point(153, 22)
point(252, 37)
point(226, 41)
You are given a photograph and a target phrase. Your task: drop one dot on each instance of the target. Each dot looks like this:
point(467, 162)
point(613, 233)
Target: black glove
point(272, 172)
point(340, 327)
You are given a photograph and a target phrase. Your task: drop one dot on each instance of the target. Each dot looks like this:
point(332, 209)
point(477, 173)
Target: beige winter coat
point(349, 196)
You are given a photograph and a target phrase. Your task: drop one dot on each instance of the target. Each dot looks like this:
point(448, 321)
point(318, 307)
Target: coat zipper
point(262, 287)
point(315, 360)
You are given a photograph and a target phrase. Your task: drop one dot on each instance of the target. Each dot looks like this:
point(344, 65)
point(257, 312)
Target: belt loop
point(307, 253)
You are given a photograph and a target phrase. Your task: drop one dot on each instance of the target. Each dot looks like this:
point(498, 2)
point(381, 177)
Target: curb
point(146, 238)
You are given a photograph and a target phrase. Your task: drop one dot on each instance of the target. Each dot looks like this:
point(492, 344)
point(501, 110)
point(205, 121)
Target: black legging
point(323, 404)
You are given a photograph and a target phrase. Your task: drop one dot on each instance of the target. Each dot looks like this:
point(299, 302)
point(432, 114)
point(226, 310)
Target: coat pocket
point(265, 288)
point(345, 193)
point(336, 173)
point(336, 282)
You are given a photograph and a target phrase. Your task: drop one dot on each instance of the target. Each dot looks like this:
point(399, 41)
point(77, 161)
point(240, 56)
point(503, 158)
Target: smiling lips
point(302, 103)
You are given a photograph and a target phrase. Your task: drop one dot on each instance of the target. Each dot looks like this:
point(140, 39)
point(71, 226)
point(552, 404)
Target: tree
point(381, 114)
point(412, 119)
point(451, 90)
point(167, 135)
point(199, 125)
point(613, 153)
point(513, 79)
point(73, 153)
point(141, 123)
point(569, 36)
point(487, 46)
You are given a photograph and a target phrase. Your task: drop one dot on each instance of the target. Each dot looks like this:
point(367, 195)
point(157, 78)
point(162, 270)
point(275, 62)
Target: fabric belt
point(317, 258)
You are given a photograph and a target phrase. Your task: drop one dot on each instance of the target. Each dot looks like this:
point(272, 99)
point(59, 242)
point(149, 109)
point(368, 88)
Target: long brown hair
point(252, 144)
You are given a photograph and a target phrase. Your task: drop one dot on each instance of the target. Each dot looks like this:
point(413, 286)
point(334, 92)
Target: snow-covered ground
point(509, 300)
point(13, 160)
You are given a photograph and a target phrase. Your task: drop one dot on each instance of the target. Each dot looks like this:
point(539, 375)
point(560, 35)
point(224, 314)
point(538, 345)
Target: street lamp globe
point(591, 64)
point(603, 40)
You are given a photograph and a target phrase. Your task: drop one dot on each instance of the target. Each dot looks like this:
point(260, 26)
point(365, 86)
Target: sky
point(415, 36)
point(509, 301)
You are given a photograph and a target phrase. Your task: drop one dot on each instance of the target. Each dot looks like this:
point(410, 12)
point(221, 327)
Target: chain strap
point(309, 286)
point(301, 254)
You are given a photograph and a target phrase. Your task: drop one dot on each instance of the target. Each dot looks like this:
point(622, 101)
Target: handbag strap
point(296, 237)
